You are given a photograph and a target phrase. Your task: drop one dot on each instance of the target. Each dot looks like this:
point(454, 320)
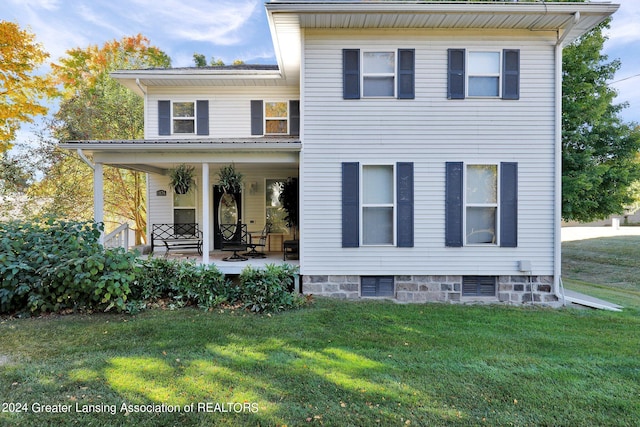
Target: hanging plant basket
point(181, 178)
point(229, 179)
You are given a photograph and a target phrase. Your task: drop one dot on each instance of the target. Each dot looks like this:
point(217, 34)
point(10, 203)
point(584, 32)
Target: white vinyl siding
point(229, 108)
point(429, 131)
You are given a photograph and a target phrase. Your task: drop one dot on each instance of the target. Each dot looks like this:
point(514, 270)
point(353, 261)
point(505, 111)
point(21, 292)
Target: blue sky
point(237, 29)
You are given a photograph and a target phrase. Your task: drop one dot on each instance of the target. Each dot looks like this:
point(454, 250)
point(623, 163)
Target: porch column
point(98, 196)
point(206, 213)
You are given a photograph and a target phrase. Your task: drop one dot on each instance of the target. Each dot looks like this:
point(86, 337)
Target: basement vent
point(478, 286)
point(377, 286)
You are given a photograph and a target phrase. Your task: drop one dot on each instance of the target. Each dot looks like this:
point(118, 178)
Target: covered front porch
point(236, 267)
point(263, 162)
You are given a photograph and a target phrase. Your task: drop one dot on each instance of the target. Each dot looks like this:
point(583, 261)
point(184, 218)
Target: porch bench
point(177, 236)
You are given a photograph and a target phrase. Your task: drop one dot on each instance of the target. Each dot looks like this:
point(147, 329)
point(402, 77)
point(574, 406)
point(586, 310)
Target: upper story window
point(375, 74)
point(378, 73)
point(483, 74)
point(184, 117)
point(276, 118)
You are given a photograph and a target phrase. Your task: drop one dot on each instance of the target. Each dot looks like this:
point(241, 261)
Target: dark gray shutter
point(164, 117)
point(351, 73)
point(509, 205)
point(294, 117)
point(257, 121)
point(511, 74)
point(406, 73)
point(453, 204)
point(455, 86)
point(405, 204)
point(350, 205)
point(202, 116)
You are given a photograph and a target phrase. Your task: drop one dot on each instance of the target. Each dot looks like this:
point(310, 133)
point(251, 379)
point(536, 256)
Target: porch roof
point(157, 155)
point(284, 143)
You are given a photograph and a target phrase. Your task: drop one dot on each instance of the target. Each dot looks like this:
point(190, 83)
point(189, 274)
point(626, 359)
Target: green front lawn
point(334, 363)
point(607, 268)
point(340, 363)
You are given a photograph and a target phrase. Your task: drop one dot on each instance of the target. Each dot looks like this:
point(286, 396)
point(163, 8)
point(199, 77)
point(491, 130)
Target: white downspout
point(557, 233)
point(85, 159)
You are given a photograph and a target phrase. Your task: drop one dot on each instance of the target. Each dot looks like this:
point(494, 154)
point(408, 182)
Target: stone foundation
point(419, 289)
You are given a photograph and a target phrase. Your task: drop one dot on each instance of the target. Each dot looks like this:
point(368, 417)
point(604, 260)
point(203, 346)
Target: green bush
point(181, 282)
point(203, 285)
point(269, 289)
point(51, 265)
point(155, 279)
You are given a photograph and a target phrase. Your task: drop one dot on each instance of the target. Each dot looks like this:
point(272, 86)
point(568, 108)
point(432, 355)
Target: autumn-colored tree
point(22, 93)
point(95, 107)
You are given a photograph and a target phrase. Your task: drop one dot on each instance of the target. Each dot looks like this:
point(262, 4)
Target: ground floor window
point(184, 212)
point(377, 286)
point(478, 286)
point(274, 210)
point(378, 204)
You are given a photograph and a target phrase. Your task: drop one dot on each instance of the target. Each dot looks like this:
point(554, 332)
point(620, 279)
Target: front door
point(227, 209)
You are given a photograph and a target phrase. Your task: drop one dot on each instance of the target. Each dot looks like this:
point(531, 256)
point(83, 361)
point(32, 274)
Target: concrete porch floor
point(231, 267)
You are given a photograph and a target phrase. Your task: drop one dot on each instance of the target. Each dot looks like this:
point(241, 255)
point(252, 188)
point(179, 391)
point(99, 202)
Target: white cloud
point(624, 26)
point(38, 4)
point(215, 22)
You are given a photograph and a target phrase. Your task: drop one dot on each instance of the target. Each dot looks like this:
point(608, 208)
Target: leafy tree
point(14, 178)
point(92, 108)
point(200, 61)
point(21, 91)
point(599, 150)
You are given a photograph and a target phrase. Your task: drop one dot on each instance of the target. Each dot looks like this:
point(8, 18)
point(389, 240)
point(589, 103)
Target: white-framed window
point(184, 117)
point(276, 117)
point(481, 204)
point(378, 205)
point(184, 211)
point(379, 74)
point(483, 73)
point(275, 213)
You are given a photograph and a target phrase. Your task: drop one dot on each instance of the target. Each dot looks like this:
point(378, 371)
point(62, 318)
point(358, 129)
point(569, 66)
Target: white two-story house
point(425, 137)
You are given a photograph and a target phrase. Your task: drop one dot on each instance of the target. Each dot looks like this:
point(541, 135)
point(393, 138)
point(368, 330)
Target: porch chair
point(261, 241)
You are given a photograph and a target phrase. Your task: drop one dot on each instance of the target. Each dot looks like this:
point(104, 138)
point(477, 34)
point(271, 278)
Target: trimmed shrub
point(155, 279)
point(269, 289)
point(181, 282)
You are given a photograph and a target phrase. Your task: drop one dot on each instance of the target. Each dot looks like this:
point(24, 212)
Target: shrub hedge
point(51, 265)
